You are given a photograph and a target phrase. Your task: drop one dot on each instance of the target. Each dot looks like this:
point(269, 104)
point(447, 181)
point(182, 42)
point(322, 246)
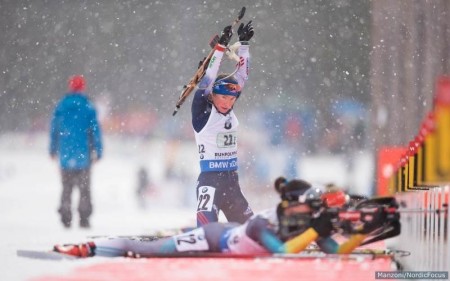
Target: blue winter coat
point(75, 134)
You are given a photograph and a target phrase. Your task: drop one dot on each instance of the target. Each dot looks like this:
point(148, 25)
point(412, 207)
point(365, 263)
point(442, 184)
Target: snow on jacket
point(75, 134)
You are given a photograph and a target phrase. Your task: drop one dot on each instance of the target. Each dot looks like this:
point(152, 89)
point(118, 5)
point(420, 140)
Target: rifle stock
point(187, 89)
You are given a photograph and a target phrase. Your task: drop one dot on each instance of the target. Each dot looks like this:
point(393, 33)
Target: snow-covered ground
point(30, 189)
point(29, 196)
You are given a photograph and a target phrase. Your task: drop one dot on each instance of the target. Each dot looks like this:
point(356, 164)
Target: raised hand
point(226, 35)
point(245, 32)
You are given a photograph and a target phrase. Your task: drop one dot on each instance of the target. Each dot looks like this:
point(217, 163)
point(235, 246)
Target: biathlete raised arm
point(288, 228)
point(215, 128)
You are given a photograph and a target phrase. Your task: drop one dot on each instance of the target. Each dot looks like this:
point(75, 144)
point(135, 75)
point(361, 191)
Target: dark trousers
point(220, 191)
point(70, 180)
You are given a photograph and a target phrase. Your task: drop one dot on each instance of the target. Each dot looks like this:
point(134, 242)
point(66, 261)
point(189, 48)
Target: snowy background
point(309, 92)
point(323, 96)
point(30, 188)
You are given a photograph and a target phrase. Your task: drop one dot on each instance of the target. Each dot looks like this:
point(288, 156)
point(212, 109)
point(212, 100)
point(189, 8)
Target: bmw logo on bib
point(228, 124)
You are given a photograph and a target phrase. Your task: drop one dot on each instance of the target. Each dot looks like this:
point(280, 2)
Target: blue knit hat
point(226, 86)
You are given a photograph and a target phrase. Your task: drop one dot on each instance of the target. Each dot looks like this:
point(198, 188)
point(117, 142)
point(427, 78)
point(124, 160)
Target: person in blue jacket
point(76, 139)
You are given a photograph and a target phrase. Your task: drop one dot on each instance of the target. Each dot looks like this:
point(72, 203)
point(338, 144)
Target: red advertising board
point(388, 157)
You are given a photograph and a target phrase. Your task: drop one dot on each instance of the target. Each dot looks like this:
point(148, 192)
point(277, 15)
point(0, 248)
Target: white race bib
point(205, 198)
point(193, 240)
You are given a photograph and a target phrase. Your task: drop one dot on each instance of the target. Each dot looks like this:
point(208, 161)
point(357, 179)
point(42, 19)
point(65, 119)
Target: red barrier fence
point(420, 180)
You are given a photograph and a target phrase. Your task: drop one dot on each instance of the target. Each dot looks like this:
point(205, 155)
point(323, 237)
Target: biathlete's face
point(223, 103)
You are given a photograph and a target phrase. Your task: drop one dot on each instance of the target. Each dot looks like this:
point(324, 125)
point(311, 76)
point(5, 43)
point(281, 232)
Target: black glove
point(322, 225)
point(245, 32)
point(225, 36)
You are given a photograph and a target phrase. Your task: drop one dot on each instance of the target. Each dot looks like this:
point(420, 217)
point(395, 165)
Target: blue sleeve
point(201, 110)
point(328, 245)
point(96, 135)
point(54, 133)
point(258, 229)
point(271, 242)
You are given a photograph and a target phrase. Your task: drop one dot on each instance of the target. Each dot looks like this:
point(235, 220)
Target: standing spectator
point(76, 138)
point(215, 128)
